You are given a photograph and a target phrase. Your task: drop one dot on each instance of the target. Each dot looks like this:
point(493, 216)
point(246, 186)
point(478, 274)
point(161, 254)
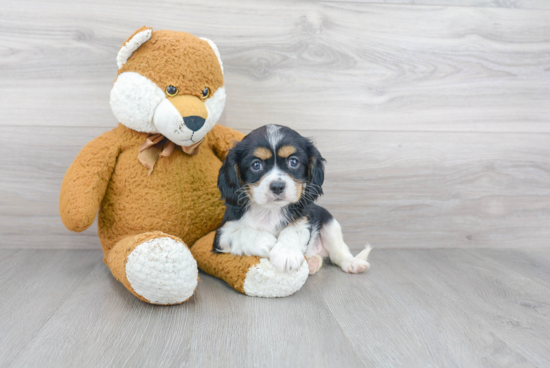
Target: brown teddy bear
point(153, 178)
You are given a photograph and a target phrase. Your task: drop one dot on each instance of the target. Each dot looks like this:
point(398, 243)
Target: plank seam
point(309, 130)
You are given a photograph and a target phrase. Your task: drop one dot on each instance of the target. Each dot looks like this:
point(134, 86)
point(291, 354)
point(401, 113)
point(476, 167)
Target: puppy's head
point(272, 166)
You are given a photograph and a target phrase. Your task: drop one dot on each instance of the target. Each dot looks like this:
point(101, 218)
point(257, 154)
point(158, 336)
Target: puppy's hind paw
point(315, 262)
point(355, 265)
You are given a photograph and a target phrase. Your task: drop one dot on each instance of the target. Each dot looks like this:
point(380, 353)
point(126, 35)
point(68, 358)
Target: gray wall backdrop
point(433, 115)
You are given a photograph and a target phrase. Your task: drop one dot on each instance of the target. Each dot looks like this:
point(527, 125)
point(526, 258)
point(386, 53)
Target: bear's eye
point(205, 92)
point(171, 91)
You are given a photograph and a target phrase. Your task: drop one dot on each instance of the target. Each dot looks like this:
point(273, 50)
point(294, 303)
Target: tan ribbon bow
point(156, 145)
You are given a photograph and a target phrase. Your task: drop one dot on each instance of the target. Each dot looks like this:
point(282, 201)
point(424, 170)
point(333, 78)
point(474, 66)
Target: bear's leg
point(156, 267)
point(253, 276)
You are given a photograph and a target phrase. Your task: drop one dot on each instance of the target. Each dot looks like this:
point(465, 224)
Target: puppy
point(269, 182)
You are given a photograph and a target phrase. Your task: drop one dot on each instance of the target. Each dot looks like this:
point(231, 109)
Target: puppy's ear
point(229, 179)
point(316, 170)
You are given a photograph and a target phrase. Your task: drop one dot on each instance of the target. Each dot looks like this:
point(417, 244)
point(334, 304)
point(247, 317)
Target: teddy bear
point(152, 180)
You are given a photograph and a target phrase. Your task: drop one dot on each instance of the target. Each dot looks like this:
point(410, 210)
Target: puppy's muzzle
point(277, 187)
point(193, 122)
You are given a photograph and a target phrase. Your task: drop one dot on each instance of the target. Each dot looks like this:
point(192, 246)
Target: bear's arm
point(86, 180)
point(221, 139)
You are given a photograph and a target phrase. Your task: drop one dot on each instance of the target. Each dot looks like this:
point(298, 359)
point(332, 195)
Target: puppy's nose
point(277, 187)
point(193, 122)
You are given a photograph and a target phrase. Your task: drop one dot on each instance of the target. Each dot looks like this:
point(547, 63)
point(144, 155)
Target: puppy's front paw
point(253, 243)
point(286, 260)
point(355, 266)
point(263, 244)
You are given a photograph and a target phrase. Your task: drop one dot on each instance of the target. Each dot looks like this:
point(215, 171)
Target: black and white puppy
point(269, 182)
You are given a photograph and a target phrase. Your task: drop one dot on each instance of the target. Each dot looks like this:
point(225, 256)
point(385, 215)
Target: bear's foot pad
point(263, 280)
point(163, 271)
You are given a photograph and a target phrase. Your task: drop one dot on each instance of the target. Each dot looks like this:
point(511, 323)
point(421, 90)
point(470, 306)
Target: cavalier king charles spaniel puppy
point(269, 182)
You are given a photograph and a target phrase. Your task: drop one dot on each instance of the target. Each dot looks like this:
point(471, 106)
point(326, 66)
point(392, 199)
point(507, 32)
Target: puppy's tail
point(364, 254)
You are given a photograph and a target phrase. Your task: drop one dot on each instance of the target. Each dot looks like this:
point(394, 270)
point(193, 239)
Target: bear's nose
point(193, 122)
point(277, 187)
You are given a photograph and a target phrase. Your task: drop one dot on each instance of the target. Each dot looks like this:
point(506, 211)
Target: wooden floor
point(414, 308)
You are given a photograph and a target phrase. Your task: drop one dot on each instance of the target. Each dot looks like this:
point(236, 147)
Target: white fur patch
point(359, 263)
point(170, 123)
point(364, 254)
point(288, 254)
point(163, 271)
point(263, 280)
point(132, 45)
point(274, 135)
point(134, 99)
point(262, 194)
point(356, 265)
point(330, 242)
point(262, 218)
point(214, 105)
point(296, 235)
point(239, 240)
point(254, 234)
point(215, 48)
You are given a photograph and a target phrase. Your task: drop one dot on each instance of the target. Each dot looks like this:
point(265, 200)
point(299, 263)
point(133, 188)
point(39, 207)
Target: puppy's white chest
point(267, 219)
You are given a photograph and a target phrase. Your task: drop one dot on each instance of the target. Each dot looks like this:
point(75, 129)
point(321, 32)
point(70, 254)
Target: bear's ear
point(215, 48)
point(139, 37)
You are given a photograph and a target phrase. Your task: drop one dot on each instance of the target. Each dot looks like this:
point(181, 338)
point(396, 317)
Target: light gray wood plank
point(7, 253)
point(440, 308)
point(438, 189)
point(33, 286)
point(33, 162)
point(391, 189)
point(310, 65)
point(296, 331)
point(515, 307)
point(519, 4)
point(532, 263)
point(101, 324)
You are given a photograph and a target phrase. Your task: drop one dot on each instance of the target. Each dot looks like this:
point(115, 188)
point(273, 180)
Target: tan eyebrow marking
point(263, 153)
point(286, 151)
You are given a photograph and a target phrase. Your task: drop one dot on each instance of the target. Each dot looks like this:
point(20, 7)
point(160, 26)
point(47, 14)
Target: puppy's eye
point(256, 166)
point(171, 91)
point(293, 162)
point(205, 92)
